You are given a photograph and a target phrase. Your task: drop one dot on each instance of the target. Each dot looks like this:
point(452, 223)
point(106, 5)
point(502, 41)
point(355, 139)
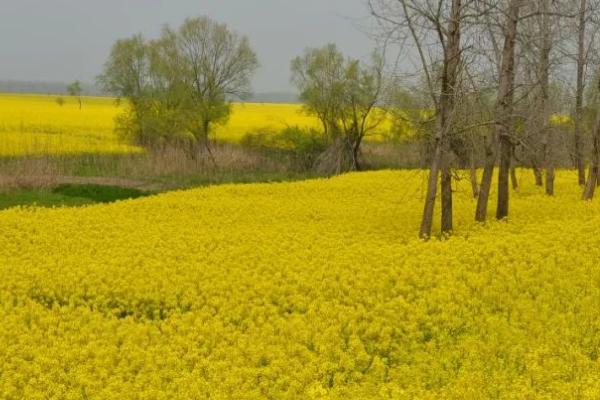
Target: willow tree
point(342, 93)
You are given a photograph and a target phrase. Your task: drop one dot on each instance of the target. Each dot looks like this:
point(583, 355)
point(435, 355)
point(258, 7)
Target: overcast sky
point(64, 40)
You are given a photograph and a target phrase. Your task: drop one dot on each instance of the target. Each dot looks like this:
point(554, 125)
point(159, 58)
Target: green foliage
point(342, 93)
point(301, 145)
point(39, 197)
point(98, 193)
point(291, 138)
point(126, 68)
point(67, 195)
point(74, 89)
point(410, 118)
point(179, 85)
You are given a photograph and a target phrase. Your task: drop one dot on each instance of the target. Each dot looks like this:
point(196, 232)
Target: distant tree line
point(51, 88)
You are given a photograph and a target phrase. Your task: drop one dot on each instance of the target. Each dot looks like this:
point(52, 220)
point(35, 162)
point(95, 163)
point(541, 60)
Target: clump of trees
point(343, 94)
point(179, 86)
point(511, 65)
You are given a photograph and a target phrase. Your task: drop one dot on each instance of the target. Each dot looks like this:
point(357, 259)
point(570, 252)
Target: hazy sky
point(64, 40)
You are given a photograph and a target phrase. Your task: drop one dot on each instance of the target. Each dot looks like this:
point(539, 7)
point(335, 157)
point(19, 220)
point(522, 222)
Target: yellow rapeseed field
point(38, 124)
point(253, 118)
point(256, 118)
point(309, 290)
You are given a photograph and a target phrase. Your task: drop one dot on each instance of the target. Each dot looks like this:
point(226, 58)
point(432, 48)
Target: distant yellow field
point(34, 124)
point(248, 118)
point(38, 124)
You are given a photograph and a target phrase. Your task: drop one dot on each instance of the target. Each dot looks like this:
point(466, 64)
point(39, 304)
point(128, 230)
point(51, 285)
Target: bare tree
point(586, 28)
point(524, 44)
point(581, 63)
point(430, 26)
point(593, 178)
point(502, 135)
point(504, 119)
point(541, 37)
point(544, 98)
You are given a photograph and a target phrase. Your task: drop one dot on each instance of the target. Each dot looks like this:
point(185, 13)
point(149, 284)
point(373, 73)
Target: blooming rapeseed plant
point(315, 290)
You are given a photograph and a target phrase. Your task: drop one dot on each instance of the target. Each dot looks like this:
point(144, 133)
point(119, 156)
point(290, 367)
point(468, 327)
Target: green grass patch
point(97, 193)
point(67, 195)
point(38, 197)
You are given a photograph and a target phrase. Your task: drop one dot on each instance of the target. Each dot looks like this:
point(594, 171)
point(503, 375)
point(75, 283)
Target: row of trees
point(181, 84)
point(491, 70)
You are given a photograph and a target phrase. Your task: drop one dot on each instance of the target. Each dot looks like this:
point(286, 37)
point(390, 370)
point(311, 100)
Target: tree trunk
point(549, 163)
point(581, 60)
point(446, 193)
point(427, 220)
point(513, 169)
point(550, 180)
point(537, 173)
point(545, 97)
point(486, 178)
point(444, 110)
point(355, 154)
point(473, 174)
point(590, 186)
point(337, 158)
point(513, 178)
point(504, 107)
point(503, 177)
point(592, 180)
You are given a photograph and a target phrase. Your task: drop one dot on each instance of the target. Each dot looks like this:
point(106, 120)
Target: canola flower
point(252, 118)
point(256, 118)
point(307, 290)
point(38, 125)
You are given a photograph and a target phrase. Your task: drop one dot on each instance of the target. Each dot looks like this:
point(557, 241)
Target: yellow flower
point(315, 289)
